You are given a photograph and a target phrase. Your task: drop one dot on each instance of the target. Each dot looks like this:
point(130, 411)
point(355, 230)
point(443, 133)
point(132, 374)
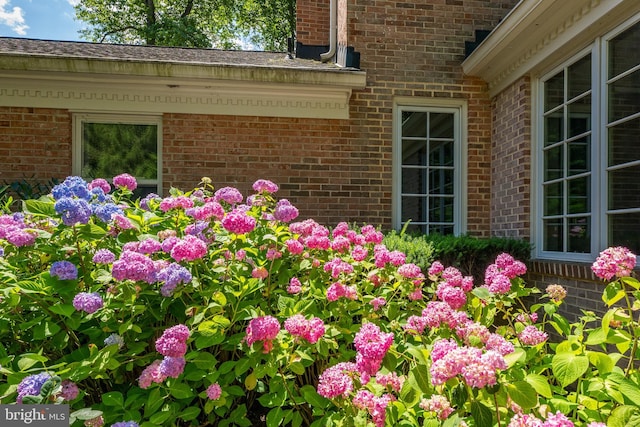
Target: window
point(589, 154)
point(428, 168)
point(107, 145)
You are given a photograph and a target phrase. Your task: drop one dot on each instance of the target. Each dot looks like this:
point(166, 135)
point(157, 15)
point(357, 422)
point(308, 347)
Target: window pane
point(621, 48)
point(414, 152)
point(414, 181)
point(441, 125)
point(579, 191)
point(441, 229)
point(624, 98)
point(110, 149)
point(441, 153)
point(414, 123)
point(624, 188)
point(579, 239)
point(441, 209)
point(553, 198)
point(579, 77)
point(579, 113)
point(554, 91)
point(579, 156)
point(624, 230)
point(417, 228)
point(553, 233)
point(554, 127)
point(414, 208)
point(623, 142)
point(554, 163)
point(441, 181)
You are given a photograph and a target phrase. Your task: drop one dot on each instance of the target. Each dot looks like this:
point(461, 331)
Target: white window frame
point(79, 118)
point(458, 108)
point(599, 149)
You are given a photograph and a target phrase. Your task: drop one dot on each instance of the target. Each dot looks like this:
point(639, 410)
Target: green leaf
point(159, 418)
point(597, 336)
point(540, 383)
point(65, 310)
point(190, 413)
point(113, 398)
point(275, 417)
point(482, 293)
point(481, 414)
point(312, 397)
point(297, 368)
point(181, 391)
point(568, 367)
point(523, 394)
point(613, 293)
point(154, 402)
point(603, 362)
point(85, 414)
point(30, 359)
point(623, 416)
point(419, 377)
point(242, 366)
point(39, 207)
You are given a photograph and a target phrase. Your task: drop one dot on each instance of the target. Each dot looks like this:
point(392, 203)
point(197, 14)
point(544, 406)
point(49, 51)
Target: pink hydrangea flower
point(189, 248)
point(524, 420)
point(371, 342)
point(238, 222)
point(556, 292)
point(151, 374)
point(125, 181)
point(294, 246)
point(100, 183)
point(311, 330)
point(229, 195)
point(391, 380)
point(179, 202)
point(264, 185)
point(337, 380)
point(173, 342)
point(285, 211)
point(259, 273)
point(438, 404)
point(613, 262)
point(377, 303)
point(557, 420)
point(410, 271)
point(263, 329)
point(435, 268)
point(455, 297)
point(295, 287)
point(89, 302)
point(530, 335)
point(69, 390)
point(214, 391)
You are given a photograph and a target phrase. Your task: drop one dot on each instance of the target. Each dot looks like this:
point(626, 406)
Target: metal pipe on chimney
point(333, 18)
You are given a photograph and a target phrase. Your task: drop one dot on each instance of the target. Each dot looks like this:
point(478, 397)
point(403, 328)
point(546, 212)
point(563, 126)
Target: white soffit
point(539, 33)
point(244, 91)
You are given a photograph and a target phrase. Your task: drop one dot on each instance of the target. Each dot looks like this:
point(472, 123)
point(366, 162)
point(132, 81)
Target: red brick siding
point(315, 163)
point(34, 143)
point(312, 27)
point(511, 162)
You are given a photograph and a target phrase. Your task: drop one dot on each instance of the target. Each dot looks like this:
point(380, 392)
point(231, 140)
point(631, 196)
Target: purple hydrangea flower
point(114, 339)
point(173, 342)
point(64, 270)
point(100, 183)
point(103, 256)
point(172, 366)
point(214, 391)
point(88, 302)
point(106, 211)
point(285, 211)
point(73, 211)
point(134, 266)
point(228, 194)
point(172, 276)
point(125, 424)
point(69, 390)
point(31, 385)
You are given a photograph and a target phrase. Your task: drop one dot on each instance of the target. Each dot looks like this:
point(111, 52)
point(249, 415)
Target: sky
point(39, 19)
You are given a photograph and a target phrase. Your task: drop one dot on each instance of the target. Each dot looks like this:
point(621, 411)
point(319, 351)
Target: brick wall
point(312, 22)
point(313, 161)
point(511, 161)
point(34, 143)
point(584, 289)
point(415, 49)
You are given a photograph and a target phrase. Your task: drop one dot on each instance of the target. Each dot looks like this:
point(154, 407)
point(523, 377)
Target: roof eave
point(537, 33)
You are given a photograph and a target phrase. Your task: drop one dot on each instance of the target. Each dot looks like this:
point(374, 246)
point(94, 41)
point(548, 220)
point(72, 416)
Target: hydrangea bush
point(209, 308)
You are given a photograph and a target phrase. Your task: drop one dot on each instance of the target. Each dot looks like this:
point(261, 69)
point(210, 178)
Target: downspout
point(333, 13)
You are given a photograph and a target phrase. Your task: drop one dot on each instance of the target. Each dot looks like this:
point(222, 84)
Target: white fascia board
point(150, 88)
point(538, 33)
